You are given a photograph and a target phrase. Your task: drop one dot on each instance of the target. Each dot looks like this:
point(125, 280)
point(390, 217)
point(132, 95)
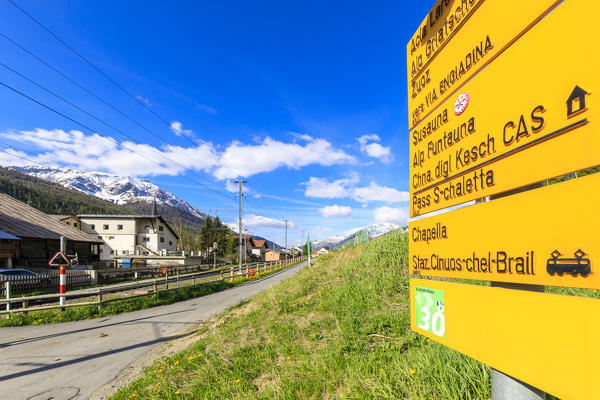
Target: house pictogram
point(577, 98)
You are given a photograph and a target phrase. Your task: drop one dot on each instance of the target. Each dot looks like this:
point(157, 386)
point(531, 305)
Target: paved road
point(74, 359)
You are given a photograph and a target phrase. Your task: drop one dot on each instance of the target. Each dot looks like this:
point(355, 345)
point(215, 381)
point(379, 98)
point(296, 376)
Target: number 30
point(437, 322)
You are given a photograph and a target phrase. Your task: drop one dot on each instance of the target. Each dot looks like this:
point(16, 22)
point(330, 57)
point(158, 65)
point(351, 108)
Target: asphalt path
point(75, 359)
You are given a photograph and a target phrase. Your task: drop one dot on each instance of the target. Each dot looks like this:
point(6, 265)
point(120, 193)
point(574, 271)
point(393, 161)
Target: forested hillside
point(52, 198)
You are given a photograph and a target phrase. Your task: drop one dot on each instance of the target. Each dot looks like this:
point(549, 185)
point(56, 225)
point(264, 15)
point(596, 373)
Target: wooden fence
point(30, 283)
point(152, 286)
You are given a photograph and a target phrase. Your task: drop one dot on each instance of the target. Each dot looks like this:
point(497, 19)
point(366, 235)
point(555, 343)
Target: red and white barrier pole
point(63, 284)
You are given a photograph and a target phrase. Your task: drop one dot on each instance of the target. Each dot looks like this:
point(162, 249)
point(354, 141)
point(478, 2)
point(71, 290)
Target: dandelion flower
point(176, 362)
point(237, 380)
point(412, 371)
point(177, 392)
point(288, 357)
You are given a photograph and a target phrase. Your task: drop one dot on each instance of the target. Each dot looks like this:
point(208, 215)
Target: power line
point(94, 131)
point(87, 61)
point(97, 119)
point(91, 64)
point(39, 59)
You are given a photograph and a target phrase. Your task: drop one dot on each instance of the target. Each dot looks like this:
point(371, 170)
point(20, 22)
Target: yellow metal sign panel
point(532, 237)
point(529, 116)
point(549, 341)
point(489, 31)
point(441, 24)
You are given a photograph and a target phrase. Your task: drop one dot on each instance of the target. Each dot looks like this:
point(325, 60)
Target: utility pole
point(241, 182)
point(286, 245)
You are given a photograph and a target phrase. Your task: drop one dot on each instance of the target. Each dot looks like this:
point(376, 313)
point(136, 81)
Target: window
point(106, 226)
point(147, 227)
point(92, 226)
point(75, 224)
point(119, 227)
point(160, 228)
point(146, 239)
point(99, 237)
point(162, 239)
point(112, 252)
point(170, 243)
point(111, 237)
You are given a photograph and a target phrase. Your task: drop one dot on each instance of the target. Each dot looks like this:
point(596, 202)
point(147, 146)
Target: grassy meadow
point(340, 329)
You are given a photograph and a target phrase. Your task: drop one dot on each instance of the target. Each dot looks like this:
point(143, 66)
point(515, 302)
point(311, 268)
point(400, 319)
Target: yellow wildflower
point(177, 392)
point(288, 357)
point(237, 380)
point(176, 362)
point(412, 371)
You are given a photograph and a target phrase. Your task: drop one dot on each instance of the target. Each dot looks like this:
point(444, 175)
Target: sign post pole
point(63, 277)
point(505, 387)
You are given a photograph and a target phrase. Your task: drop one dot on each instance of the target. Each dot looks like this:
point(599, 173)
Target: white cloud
point(177, 128)
point(375, 150)
point(93, 152)
point(96, 153)
point(374, 192)
point(322, 188)
point(392, 215)
point(241, 159)
point(335, 211)
point(265, 222)
point(346, 188)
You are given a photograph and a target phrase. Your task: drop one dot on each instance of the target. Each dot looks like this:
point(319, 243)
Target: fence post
point(25, 305)
point(167, 280)
point(7, 286)
point(177, 279)
point(232, 275)
point(99, 300)
point(154, 286)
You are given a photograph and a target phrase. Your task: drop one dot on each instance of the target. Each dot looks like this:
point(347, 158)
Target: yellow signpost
point(527, 117)
point(518, 108)
point(548, 341)
point(531, 237)
point(441, 24)
point(491, 28)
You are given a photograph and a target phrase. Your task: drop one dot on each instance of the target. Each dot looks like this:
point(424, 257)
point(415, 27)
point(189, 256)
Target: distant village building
point(10, 249)
point(322, 251)
point(252, 249)
point(38, 236)
point(271, 255)
point(129, 234)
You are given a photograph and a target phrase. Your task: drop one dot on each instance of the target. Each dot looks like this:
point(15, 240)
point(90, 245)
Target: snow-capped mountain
point(376, 230)
point(234, 227)
point(373, 231)
point(117, 189)
point(327, 243)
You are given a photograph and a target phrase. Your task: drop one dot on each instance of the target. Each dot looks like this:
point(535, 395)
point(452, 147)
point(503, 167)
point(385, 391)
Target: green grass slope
point(339, 330)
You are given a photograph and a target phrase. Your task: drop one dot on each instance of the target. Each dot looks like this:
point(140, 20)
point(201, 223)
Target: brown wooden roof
point(21, 220)
point(259, 243)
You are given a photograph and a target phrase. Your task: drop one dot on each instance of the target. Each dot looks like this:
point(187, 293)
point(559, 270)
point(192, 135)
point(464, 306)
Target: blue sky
point(305, 100)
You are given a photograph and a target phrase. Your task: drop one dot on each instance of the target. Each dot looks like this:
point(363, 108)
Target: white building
point(130, 234)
